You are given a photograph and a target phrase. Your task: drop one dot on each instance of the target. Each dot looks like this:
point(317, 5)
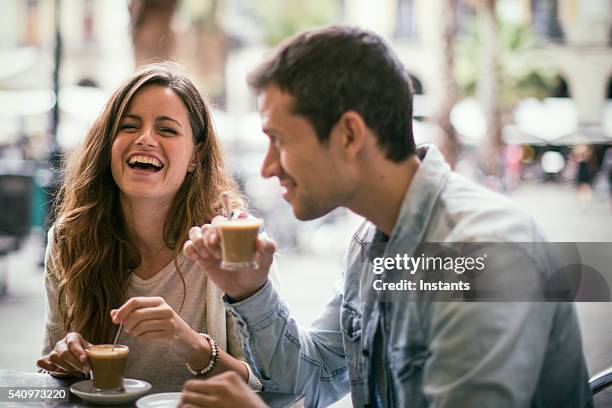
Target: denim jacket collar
point(420, 197)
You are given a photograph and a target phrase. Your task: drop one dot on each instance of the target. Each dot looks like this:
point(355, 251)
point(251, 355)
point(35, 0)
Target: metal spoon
point(117, 336)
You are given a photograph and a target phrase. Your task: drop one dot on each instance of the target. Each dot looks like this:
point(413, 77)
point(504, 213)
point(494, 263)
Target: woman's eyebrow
point(163, 117)
point(132, 116)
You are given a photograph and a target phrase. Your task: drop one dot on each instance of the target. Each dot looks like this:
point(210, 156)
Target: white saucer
point(162, 400)
point(133, 390)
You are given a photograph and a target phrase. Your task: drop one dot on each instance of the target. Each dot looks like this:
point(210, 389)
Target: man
point(336, 104)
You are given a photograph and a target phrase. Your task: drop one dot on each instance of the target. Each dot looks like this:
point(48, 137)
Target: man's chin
point(304, 214)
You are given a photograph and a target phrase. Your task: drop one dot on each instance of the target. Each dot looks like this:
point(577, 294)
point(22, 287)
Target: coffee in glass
point(238, 243)
point(107, 366)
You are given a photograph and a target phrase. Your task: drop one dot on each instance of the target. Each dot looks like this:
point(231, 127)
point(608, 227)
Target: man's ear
point(352, 131)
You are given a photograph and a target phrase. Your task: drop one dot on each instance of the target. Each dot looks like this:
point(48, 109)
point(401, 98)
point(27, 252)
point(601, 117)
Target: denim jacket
point(436, 354)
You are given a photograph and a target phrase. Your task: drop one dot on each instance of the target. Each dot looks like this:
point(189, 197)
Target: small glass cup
point(238, 242)
point(107, 366)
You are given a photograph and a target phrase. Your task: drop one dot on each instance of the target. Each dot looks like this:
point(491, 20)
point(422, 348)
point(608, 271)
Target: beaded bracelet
point(214, 349)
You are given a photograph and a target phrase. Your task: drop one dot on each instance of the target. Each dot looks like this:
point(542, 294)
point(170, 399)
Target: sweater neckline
point(137, 280)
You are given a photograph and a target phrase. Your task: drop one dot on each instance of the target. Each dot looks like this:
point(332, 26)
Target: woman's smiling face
point(153, 149)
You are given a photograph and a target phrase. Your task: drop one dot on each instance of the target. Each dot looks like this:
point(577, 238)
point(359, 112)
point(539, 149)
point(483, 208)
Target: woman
point(149, 169)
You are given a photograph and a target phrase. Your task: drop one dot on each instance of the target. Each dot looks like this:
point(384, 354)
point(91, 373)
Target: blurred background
point(516, 93)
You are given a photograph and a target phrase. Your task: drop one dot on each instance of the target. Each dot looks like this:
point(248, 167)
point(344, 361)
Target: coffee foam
point(240, 224)
point(107, 351)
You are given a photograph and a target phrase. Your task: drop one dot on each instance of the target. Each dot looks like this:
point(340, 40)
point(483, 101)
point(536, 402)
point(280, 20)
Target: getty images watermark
point(489, 271)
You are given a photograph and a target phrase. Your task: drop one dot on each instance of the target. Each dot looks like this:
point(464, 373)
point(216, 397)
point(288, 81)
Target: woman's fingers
point(144, 326)
point(76, 345)
point(65, 361)
point(69, 354)
point(45, 364)
point(135, 303)
point(159, 336)
point(55, 370)
point(139, 316)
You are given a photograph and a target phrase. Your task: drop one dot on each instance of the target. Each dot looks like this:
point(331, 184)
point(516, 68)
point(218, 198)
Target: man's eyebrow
point(272, 131)
point(163, 117)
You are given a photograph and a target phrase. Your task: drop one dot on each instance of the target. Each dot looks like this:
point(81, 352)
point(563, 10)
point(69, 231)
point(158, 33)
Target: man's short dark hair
point(336, 69)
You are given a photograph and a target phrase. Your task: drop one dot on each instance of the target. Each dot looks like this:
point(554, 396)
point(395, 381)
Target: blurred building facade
point(96, 55)
point(219, 41)
point(573, 39)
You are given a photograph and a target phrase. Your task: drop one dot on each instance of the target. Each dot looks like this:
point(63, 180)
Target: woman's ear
point(194, 161)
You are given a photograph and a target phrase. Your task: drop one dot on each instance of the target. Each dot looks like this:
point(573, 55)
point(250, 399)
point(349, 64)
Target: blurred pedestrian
point(607, 173)
point(582, 155)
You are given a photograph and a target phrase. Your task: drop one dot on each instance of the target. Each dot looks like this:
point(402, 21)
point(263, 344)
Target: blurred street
point(307, 279)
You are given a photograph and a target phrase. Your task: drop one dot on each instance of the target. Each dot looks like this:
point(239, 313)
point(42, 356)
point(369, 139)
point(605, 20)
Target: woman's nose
point(147, 138)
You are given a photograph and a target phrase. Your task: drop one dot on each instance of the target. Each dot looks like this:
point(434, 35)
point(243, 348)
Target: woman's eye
point(127, 127)
point(168, 130)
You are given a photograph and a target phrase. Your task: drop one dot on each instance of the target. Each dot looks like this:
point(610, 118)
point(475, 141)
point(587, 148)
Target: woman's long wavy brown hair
point(93, 251)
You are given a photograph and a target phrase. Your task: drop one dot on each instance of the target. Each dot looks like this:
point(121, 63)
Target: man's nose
point(147, 138)
point(271, 164)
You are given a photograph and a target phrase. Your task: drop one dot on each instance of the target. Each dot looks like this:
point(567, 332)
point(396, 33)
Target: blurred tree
point(205, 44)
point(281, 19)
point(152, 35)
point(488, 86)
point(449, 143)
point(497, 65)
point(202, 48)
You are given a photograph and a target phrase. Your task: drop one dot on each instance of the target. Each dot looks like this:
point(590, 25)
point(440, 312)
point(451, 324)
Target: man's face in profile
point(307, 170)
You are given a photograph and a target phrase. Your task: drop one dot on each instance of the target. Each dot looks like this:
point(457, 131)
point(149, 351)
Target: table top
point(17, 379)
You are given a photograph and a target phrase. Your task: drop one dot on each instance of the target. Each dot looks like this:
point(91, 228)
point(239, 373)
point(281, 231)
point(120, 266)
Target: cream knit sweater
point(156, 363)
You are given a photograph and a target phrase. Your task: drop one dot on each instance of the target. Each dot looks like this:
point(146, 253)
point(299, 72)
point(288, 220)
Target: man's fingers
point(212, 385)
point(218, 219)
point(203, 241)
point(187, 405)
point(190, 252)
point(195, 233)
point(198, 399)
point(266, 246)
point(211, 240)
point(201, 386)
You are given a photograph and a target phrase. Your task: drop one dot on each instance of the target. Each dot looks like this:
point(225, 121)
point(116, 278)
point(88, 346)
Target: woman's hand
point(152, 319)
point(68, 357)
point(223, 390)
point(204, 247)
